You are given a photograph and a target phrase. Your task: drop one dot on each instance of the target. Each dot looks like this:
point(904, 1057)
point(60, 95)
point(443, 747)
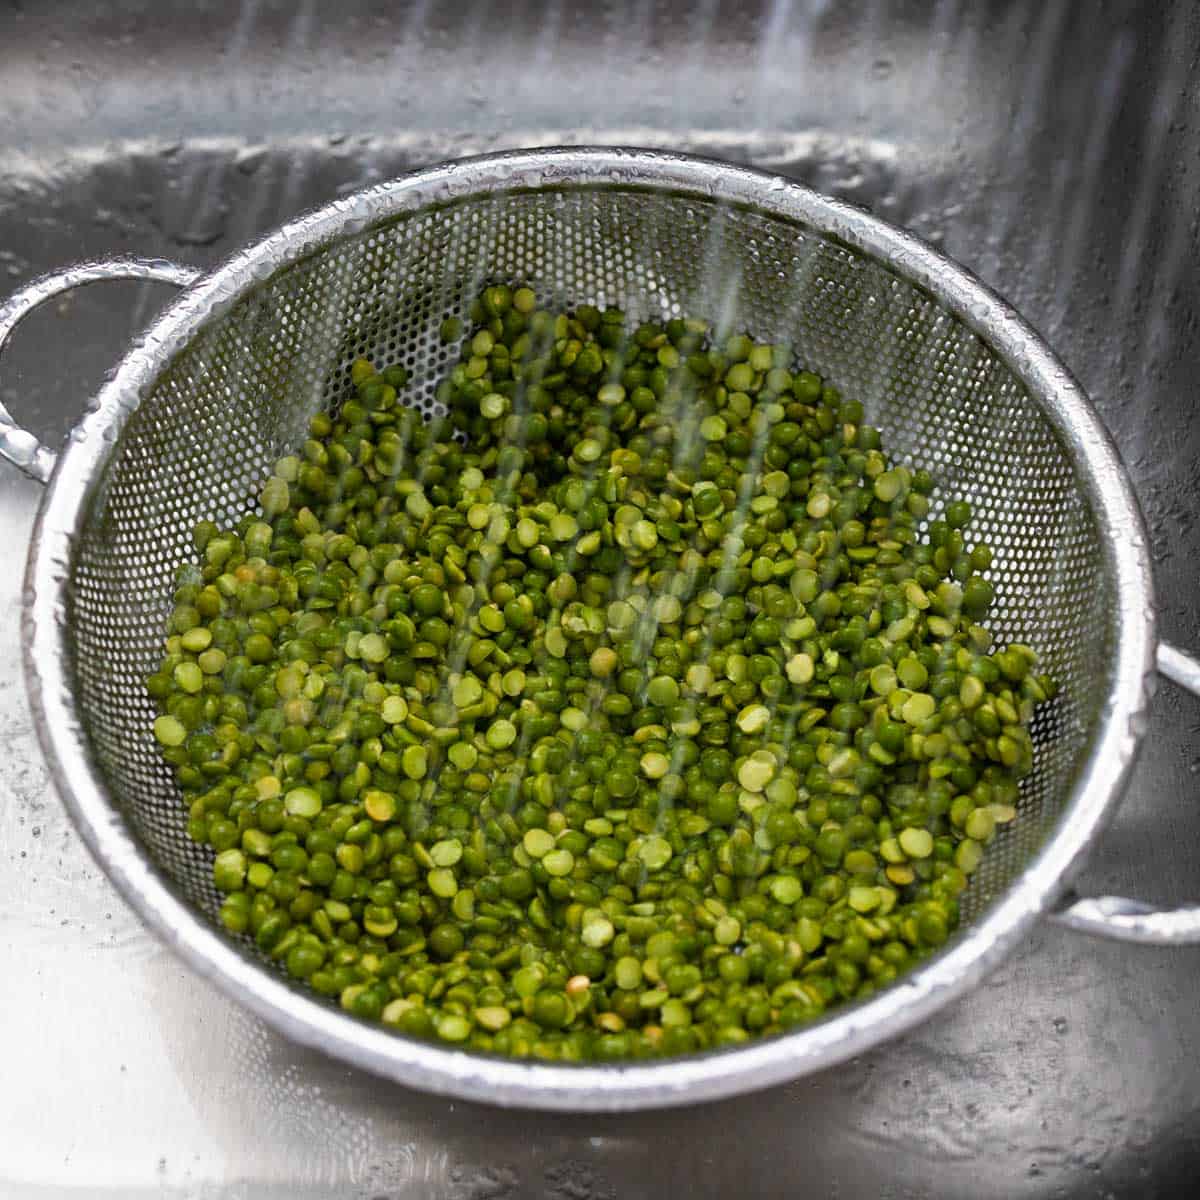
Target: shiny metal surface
point(17, 445)
point(225, 380)
point(1068, 1073)
point(1132, 920)
point(1179, 668)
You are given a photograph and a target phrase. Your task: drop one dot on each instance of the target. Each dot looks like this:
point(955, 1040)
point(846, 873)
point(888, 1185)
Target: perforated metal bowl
point(227, 378)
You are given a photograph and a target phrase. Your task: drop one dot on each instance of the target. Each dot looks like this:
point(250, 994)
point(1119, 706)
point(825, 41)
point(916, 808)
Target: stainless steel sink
point(1053, 147)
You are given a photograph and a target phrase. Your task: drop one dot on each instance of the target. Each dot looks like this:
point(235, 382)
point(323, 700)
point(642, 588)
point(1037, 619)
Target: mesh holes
point(242, 393)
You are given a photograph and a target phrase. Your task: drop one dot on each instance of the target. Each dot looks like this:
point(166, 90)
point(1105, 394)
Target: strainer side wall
point(200, 443)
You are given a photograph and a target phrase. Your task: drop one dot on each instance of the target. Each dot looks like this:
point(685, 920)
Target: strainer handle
point(1132, 920)
point(18, 445)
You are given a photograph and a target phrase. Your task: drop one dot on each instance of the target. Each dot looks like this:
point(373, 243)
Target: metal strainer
point(227, 378)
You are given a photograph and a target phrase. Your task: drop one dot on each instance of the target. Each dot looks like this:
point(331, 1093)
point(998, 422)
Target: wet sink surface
point(1054, 150)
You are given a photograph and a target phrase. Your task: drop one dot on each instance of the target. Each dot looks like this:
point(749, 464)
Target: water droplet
point(250, 159)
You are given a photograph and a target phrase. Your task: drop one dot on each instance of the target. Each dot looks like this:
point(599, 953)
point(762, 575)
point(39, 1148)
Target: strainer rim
point(850, 1031)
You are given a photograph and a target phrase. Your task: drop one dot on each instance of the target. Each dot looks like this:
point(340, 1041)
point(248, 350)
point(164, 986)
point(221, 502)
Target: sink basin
point(1052, 148)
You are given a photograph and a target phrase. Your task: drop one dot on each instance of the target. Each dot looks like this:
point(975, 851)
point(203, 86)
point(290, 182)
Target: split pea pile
point(625, 711)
